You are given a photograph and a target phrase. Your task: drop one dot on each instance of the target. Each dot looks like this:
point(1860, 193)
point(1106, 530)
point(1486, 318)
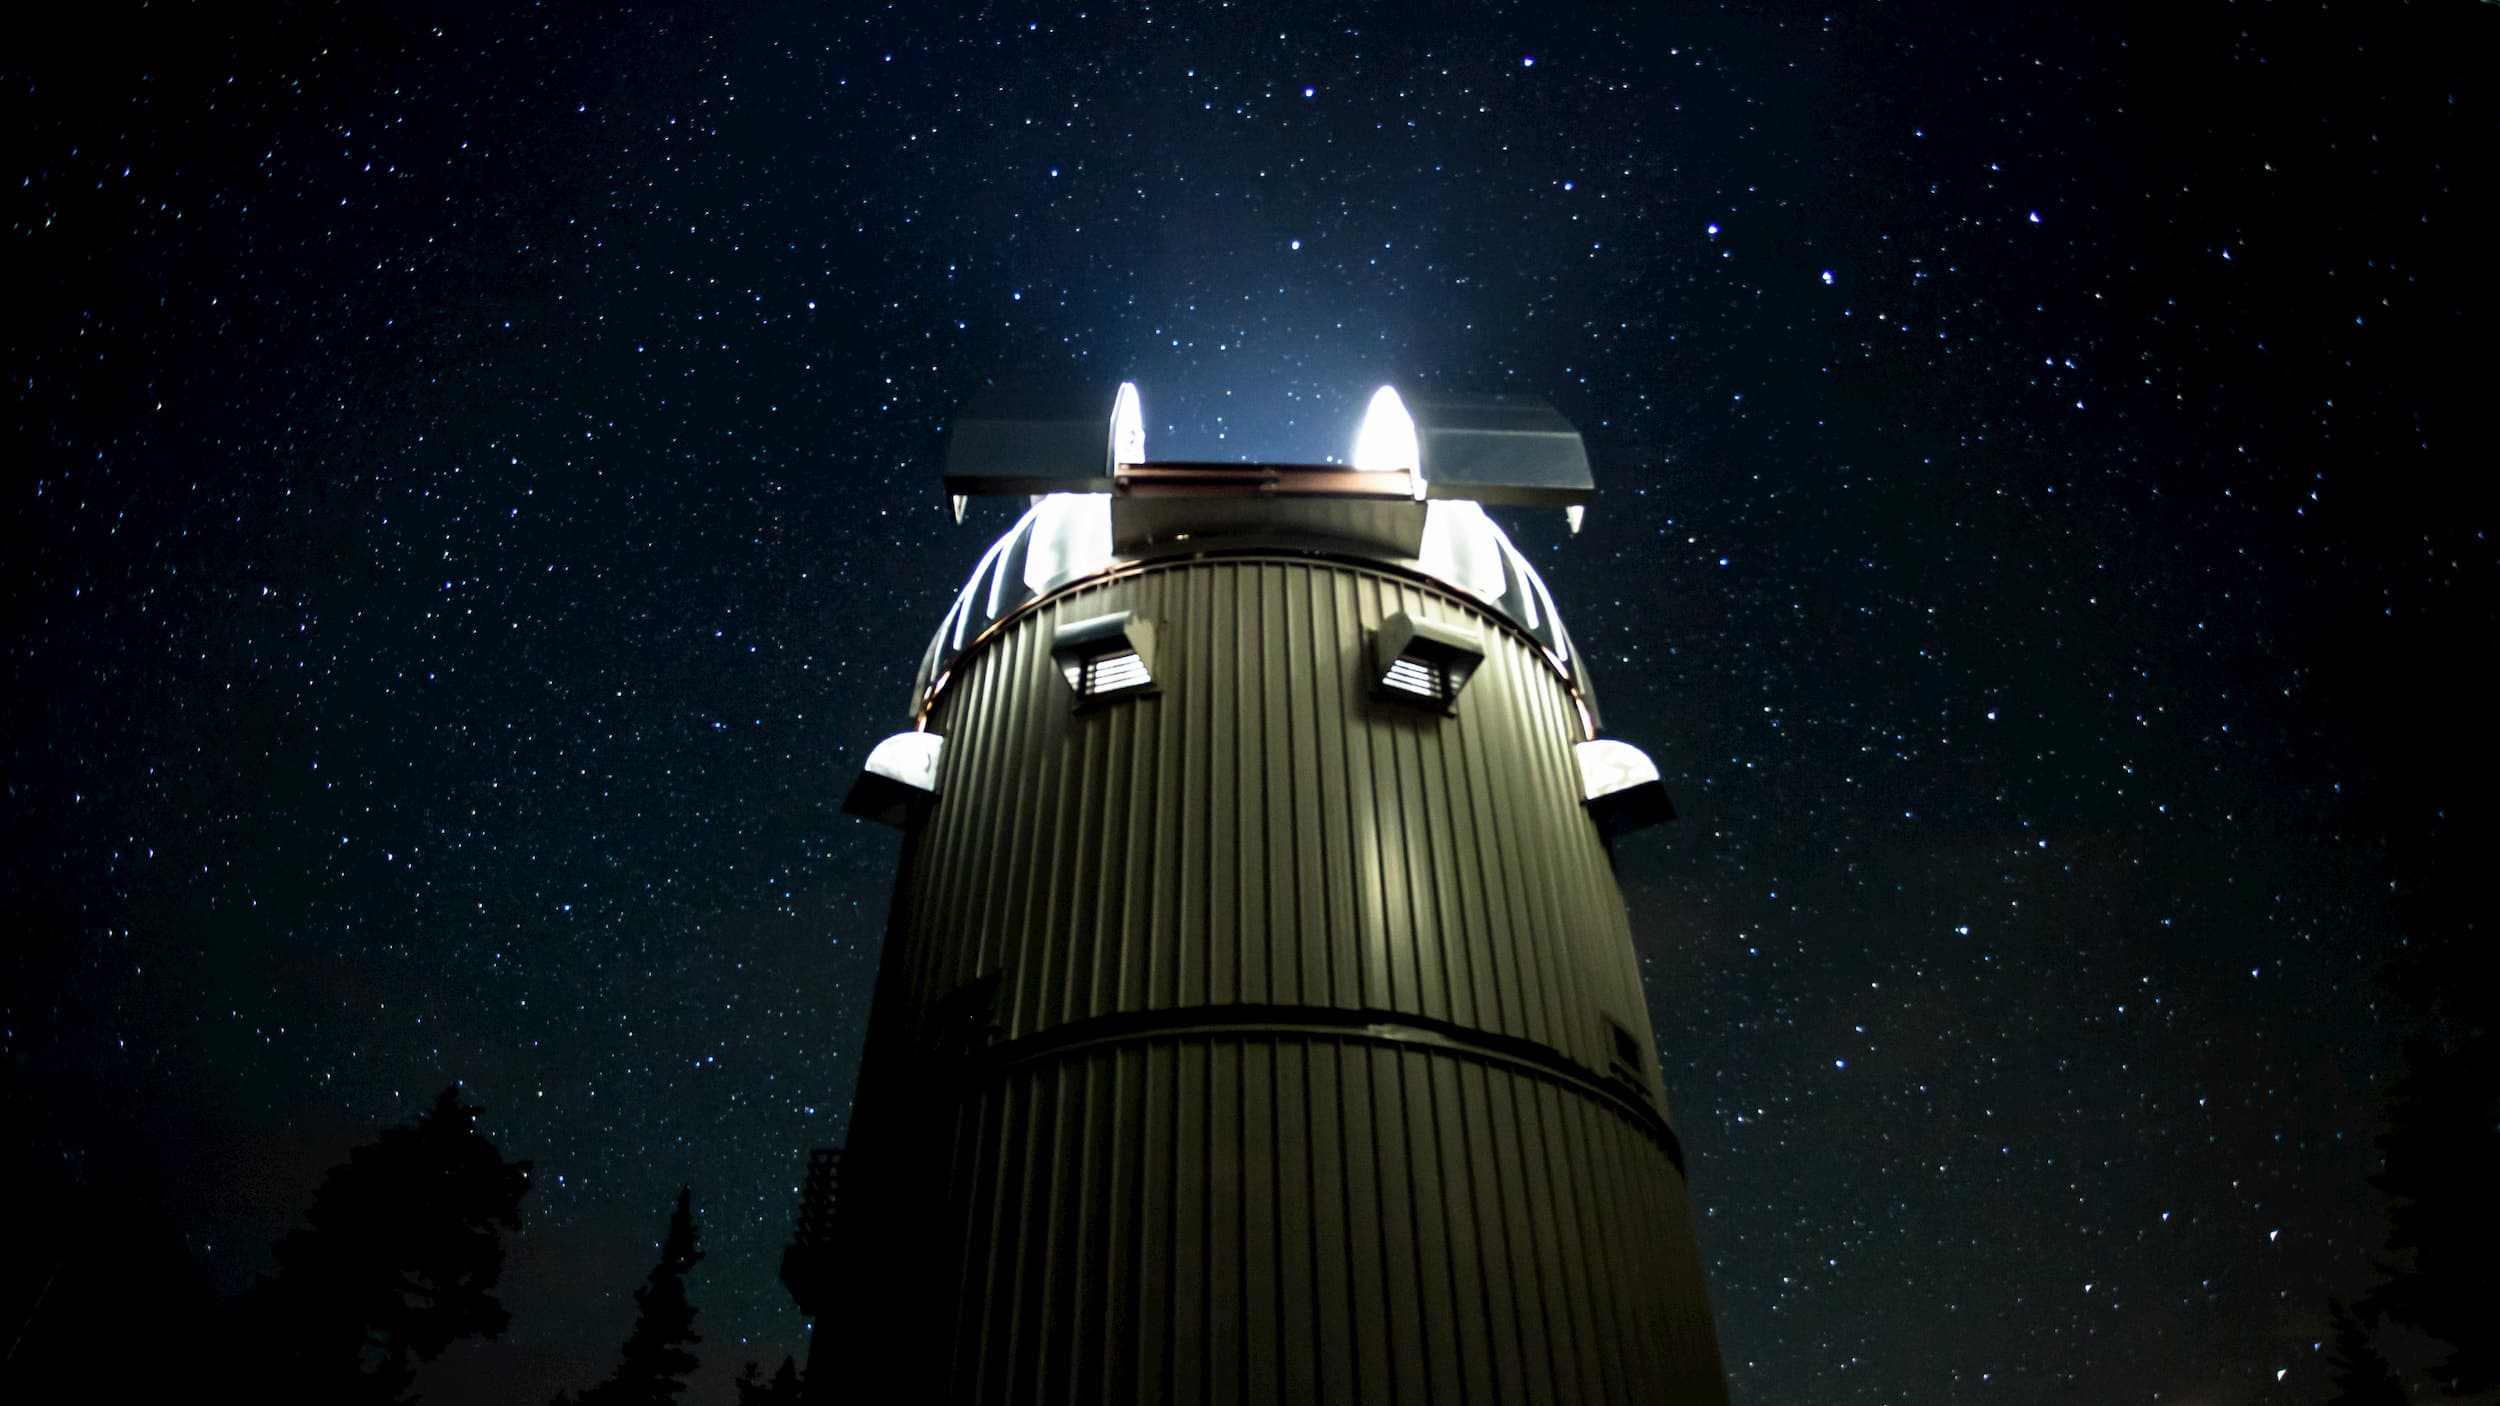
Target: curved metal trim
point(1376, 1027)
point(1138, 566)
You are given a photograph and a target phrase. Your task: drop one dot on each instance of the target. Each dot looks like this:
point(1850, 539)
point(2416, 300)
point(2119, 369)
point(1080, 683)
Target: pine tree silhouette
point(653, 1367)
point(782, 1390)
point(2361, 1373)
point(399, 1260)
point(2438, 1147)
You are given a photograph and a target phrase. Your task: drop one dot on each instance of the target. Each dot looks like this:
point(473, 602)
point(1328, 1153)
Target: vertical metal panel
point(1215, 1308)
point(1407, 1174)
point(1263, 829)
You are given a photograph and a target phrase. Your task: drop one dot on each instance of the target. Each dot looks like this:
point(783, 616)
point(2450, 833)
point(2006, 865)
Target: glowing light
point(1128, 428)
point(1460, 547)
point(1386, 442)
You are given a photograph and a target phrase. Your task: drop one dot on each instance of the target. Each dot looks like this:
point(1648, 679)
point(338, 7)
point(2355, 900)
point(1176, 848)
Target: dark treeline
point(2435, 1288)
point(91, 1266)
point(398, 1257)
point(2420, 796)
point(398, 1260)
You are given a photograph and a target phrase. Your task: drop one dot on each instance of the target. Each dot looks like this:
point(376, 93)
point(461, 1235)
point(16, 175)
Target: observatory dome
point(1067, 538)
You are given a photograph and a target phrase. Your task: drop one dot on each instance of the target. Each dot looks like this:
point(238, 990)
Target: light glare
point(1386, 442)
point(1128, 428)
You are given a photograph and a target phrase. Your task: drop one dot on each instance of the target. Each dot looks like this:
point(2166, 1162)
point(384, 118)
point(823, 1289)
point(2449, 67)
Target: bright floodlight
point(1128, 428)
point(1386, 442)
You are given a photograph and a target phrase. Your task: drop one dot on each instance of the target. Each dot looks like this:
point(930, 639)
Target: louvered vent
point(1424, 662)
point(1104, 657)
point(1424, 680)
point(1112, 673)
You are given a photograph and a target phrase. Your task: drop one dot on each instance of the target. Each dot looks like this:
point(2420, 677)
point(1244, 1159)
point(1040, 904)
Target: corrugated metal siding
point(1060, 1189)
point(1264, 829)
point(1296, 1220)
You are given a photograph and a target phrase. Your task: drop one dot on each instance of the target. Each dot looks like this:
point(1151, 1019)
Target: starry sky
point(471, 503)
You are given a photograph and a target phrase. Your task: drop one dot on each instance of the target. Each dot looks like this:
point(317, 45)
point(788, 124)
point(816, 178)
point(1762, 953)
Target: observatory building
point(1258, 1019)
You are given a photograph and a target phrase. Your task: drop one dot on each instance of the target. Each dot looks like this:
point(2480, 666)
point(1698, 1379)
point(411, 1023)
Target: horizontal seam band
point(1388, 1028)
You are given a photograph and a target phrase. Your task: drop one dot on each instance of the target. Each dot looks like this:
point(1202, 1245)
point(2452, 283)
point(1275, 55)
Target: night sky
point(471, 503)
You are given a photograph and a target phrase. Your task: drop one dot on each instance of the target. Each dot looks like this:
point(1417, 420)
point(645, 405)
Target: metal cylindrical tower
point(1258, 1018)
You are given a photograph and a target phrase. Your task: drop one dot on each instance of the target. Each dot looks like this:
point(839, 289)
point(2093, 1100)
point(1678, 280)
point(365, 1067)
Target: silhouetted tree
point(653, 1367)
point(782, 1390)
point(399, 1260)
point(91, 1249)
point(2361, 1373)
point(2418, 802)
point(2438, 1149)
